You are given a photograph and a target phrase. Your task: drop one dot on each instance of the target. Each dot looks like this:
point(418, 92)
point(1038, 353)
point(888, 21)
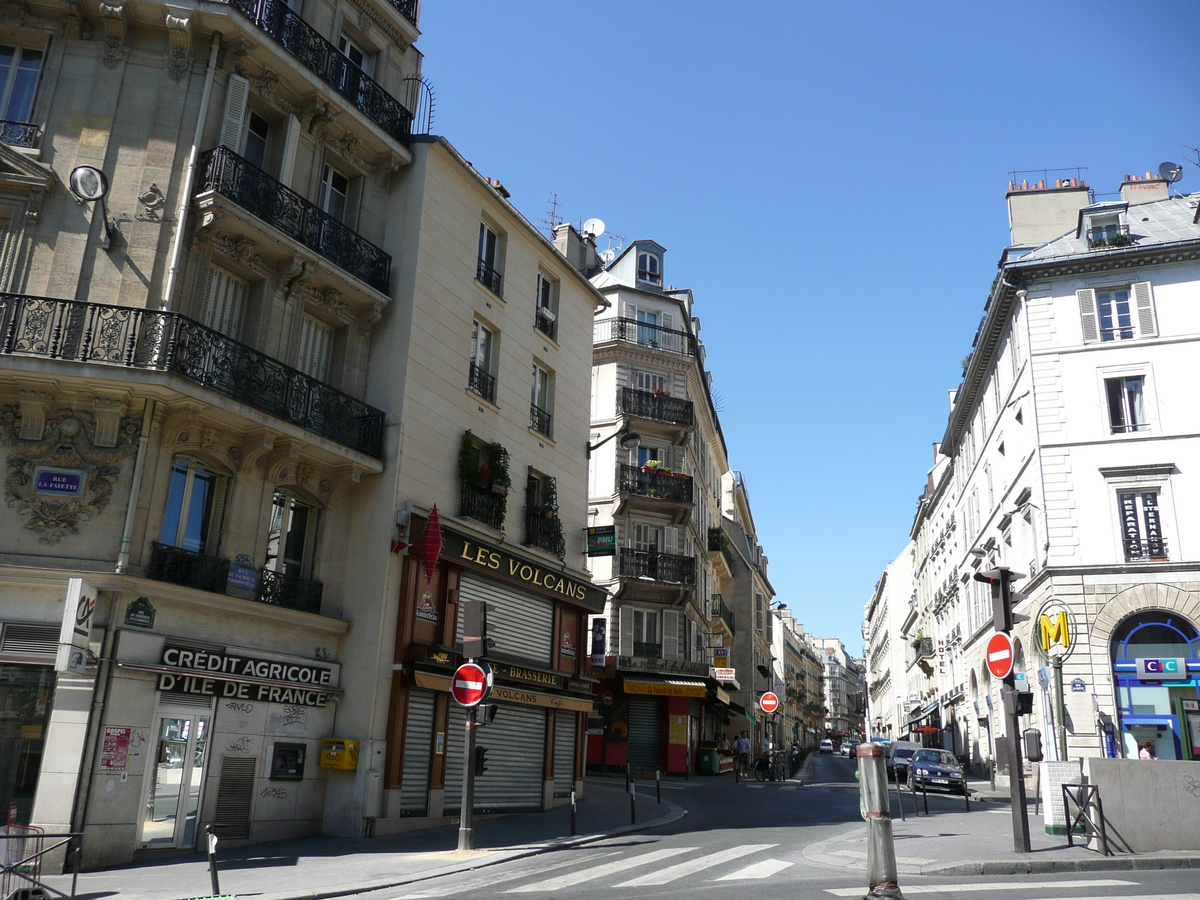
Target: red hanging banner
point(431, 543)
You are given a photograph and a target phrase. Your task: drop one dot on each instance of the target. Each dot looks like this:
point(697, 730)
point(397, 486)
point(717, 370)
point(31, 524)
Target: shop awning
point(510, 694)
point(663, 686)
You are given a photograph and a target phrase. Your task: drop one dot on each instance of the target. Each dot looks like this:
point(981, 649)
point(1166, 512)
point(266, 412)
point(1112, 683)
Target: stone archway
point(1142, 598)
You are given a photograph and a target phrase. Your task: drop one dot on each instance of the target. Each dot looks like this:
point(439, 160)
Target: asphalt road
point(745, 841)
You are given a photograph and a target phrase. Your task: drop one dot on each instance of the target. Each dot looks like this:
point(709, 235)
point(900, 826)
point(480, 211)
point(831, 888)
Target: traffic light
point(480, 760)
point(1003, 596)
point(486, 714)
point(475, 639)
point(1033, 744)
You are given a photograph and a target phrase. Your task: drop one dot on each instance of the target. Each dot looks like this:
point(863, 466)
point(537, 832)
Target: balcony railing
point(1146, 551)
point(1109, 236)
point(543, 321)
point(481, 505)
point(647, 650)
point(648, 482)
point(488, 277)
point(661, 567)
point(18, 134)
point(162, 341)
point(718, 610)
point(329, 64)
point(539, 420)
point(279, 206)
point(545, 533)
point(657, 407)
point(482, 383)
point(653, 337)
point(406, 8)
point(176, 565)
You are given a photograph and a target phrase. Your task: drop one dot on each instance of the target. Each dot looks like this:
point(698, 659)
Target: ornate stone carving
point(376, 18)
point(109, 410)
point(230, 56)
point(152, 200)
point(34, 206)
point(34, 403)
point(344, 481)
point(242, 249)
point(267, 86)
point(254, 448)
point(179, 30)
point(74, 25)
point(68, 443)
point(303, 472)
point(209, 438)
point(115, 18)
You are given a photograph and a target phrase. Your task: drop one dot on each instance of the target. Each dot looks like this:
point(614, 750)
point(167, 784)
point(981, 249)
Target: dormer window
point(1107, 231)
point(649, 268)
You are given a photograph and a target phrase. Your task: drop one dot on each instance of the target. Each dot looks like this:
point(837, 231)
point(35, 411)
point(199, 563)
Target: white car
point(827, 746)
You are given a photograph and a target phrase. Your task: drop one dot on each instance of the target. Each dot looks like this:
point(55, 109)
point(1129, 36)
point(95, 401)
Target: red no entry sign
point(768, 702)
point(471, 684)
point(999, 654)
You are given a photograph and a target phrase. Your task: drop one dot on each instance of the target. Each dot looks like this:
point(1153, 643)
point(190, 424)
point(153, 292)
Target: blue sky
point(829, 179)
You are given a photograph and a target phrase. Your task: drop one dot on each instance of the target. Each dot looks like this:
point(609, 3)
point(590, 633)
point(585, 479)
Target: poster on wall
point(114, 751)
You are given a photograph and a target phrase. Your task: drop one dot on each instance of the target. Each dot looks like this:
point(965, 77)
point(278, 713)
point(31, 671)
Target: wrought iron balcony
point(653, 337)
point(657, 407)
point(78, 331)
point(539, 420)
point(406, 8)
point(718, 610)
point(18, 134)
point(545, 532)
point(647, 650)
point(226, 173)
point(1154, 550)
point(488, 277)
point(176, 565)
point(649, 482)
point(662, 567)
point(482, 383)
point(329, 64)
point(543, 321)
point(482, 505)
point(1109, 236)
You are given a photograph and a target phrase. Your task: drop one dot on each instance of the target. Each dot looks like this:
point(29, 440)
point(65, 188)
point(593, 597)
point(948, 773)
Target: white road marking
point(998, 886)
point(669, 874)
point(764, 869)
point(554, 884)
point(485, 881)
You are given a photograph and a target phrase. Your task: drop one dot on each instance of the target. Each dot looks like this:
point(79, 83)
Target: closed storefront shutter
point(516, 751)
point(564, 752)
point(418, 749)
point(644, 726)
point(521, 624)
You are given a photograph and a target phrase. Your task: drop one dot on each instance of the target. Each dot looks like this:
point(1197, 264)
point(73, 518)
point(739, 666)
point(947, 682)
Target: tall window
point(1141, 526)
point(546, 313)
point(646, 639)
point(224, 307)
point(258, 132)
point(353, 82)
point(647, 537)
point(20, 68)
point(488, 267)
point(1126, 406)
point(650, 381)
point(649, 268)
point(335, 193)
point(292, 535)
point(195, 505)
point(1116, 319)
point(316, 347)
point(540, 418)
point(482, 380)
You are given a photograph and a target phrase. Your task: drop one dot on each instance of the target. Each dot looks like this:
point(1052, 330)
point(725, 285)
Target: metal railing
point(657, 407)
point(544, 323)
point(1146, 551)
point(226, 173)
point(663, 567)
point(78, 331)
point(481, 505)
point(406, 8)
point(18, 134)
point(482, 383)
point(539, 420)
point(22, 848)
point(329, 64)
point(645, 481)
point(1109, 236)
point(653, 337)
point(488, 277)
point(647, 650)
point(545, 533)
point(175, 565)
point(718, 610)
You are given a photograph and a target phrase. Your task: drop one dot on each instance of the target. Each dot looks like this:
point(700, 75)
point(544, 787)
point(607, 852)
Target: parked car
point(936, 769)
point(849, 748)
point(898, 755)
point(827, 746)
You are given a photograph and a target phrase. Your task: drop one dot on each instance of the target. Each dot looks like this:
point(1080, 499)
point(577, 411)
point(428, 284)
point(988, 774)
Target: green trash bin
point(710, 762)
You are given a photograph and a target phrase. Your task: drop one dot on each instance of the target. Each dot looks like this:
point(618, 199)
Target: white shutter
point(236, 96)
point(353, 202)
point(641, 536)
point(670, 539)
point(316, 347)
point(1087, 315)
point(670, 634)
point(291, 146)
point(225, 302)
point(1144, 300)
point(626, 620)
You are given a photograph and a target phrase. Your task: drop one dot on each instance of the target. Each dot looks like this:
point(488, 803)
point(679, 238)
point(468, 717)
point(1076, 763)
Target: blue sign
point(243, 577)
point(60, 482)
point(1161, 669)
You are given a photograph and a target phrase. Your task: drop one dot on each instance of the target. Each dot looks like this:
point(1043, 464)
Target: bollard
point(572, 811)
point(966, 795)
point(627, 778)
point(632, 803)
point(925, 794)
point(882, 879)
point(78, 856)
point(212, 860)
point(657, 786)
point(899, 796)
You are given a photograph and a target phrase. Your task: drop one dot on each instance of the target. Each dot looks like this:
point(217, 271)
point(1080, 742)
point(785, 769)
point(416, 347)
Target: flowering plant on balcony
point(659, 392)
point(483, 466)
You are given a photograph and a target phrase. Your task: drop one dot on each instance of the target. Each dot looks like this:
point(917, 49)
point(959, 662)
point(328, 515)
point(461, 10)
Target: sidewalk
point(952, 841)
point(319, 867)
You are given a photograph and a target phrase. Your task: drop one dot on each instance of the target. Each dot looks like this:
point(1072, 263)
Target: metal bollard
point(925, 794)
point(632, 803)
point(899, 796)
point(882, 878)
point(627, 778)
point(658, 785)
point(212, 860)
point(572, 811)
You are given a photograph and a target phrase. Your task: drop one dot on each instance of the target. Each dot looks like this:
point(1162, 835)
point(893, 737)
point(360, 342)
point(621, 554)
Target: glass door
point(176, 777)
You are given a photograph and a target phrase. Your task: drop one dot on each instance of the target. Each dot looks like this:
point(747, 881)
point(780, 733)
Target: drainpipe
point(189, 177)
point(100, 695)
point(138, 465)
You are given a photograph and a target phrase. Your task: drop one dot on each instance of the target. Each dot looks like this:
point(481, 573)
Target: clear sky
point(829, 179)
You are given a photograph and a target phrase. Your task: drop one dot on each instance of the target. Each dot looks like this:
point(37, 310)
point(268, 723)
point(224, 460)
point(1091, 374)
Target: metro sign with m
point(1054, 627)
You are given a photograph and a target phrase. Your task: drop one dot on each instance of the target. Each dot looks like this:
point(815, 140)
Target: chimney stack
point(1037, 214)
point(1144, 190)
point(579, 249)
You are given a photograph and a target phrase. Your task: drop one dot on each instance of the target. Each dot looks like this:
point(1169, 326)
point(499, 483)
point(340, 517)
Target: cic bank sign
point(1161, 669)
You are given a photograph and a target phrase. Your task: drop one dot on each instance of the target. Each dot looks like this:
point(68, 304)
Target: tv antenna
point(553, 219)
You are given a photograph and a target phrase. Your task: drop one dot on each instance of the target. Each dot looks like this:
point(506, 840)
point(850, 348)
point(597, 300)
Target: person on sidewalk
point(742, 748)
point(1147, 751)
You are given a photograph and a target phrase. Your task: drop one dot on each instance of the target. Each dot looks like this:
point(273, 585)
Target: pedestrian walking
point(742, 747)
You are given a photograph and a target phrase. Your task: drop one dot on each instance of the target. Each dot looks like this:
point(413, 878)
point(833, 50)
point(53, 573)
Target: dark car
point(897, 762)
point(936, 769)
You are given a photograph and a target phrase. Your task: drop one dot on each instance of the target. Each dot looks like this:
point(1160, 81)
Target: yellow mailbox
point(337, 753)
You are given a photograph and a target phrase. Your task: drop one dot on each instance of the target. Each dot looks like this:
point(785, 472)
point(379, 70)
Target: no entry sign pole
point(470, 686)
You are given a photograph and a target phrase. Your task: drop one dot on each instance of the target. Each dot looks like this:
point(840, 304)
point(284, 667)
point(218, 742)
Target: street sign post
point(768, 702)
point(470, 685)
point(999, 655)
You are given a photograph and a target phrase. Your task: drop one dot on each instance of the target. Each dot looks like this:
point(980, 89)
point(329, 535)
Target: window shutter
point(236, 96)
point(353, 202)
point(316, 348)
point(291, 145)
point(1087, 315)
point(225, 302)
point(670, 634)
point(666, 320)
point(1144, 300)
point(641, 536)
point(310, 543)
point(626, 619)
point(670, 539)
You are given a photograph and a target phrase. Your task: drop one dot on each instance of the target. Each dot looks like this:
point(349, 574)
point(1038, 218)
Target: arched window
point(648, 268)
point(1158, 634)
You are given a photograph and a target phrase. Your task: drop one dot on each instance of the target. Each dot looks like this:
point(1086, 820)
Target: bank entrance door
point(176, 775)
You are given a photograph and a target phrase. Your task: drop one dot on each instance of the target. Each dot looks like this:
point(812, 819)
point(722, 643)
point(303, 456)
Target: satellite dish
point(1170, 172)
point(607, 256)
point(593, 227)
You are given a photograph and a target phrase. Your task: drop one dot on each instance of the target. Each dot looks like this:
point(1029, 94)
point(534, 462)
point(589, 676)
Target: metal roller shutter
point(565, 726)
point(516, 744)
point(644, 726)
point(418, 746)
point(521, 624)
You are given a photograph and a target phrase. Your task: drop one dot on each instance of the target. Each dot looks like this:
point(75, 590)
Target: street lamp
point(629, 440)
point(89, 184)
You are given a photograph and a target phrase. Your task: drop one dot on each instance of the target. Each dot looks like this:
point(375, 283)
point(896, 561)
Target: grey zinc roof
point(1159, 222)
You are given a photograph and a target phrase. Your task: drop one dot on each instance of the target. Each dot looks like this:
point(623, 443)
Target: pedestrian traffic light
point(481, 760)
point(1033, 744)
point(486, 714)
point(475, 639)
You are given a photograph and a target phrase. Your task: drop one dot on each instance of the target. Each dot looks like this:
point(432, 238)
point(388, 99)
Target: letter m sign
point(1054, 628)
